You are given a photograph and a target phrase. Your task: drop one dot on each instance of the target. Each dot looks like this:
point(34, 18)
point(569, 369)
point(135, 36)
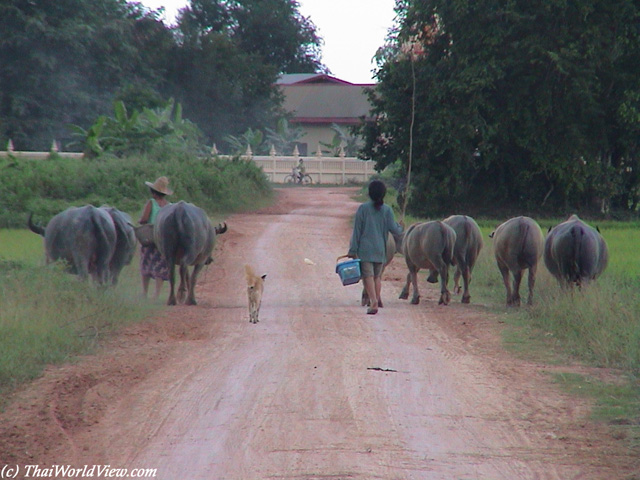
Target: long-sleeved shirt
point(370, 230)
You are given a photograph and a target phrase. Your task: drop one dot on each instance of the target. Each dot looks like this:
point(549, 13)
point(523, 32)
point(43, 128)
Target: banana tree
point(340, 139)
point(250, 138)
point(284, 137)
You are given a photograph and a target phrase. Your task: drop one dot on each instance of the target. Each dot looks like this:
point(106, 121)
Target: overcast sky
point(352, 31)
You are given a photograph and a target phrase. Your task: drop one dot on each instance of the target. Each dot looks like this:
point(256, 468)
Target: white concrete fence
point(333, 170)
point(328, 170)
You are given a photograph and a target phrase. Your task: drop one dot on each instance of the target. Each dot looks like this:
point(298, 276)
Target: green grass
point(21, 246)
point(47, 316)
point(615, 403)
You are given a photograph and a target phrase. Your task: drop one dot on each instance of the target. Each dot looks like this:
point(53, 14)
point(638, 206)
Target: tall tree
point(62, 63)
point(231, 53)
point(517, 102)
point(279, 34)
point(67, 61)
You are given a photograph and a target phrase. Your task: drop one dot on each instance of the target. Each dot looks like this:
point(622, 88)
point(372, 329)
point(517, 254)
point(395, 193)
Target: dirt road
point(317, 389)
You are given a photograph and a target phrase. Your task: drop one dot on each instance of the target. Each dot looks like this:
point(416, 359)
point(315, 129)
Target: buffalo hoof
point(466, 299)
point(380, 304)
point(458, 291)
point(445, 298)
point(403, 295)
point(415, 301)
point(191, 301)
point(171, 301)
point(514, 302)
point(433, 277)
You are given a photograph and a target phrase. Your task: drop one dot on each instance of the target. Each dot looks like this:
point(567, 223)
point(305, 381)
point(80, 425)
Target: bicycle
point(304, 179)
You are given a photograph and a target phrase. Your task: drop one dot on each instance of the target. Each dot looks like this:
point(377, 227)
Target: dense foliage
point(530, 105)
point(46, 187)
point(67, 61)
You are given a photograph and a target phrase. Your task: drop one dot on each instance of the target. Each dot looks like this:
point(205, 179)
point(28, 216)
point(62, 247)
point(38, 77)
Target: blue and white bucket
point(349, 271)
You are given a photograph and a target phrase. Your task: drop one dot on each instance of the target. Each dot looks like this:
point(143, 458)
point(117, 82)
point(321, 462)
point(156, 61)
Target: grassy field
point(18, 245)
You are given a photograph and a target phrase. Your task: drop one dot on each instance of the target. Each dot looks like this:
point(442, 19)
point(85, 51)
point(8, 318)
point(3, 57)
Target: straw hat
point(161, 185)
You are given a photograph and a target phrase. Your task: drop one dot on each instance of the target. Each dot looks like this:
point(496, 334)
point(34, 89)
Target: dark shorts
point(371, 269)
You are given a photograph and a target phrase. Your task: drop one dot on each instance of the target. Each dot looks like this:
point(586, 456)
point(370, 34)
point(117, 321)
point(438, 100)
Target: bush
point(46, 187)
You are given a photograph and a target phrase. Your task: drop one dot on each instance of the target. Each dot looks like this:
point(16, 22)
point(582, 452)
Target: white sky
point(352, 30)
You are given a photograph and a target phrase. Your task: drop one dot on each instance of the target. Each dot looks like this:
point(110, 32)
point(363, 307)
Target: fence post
point(272, 152)
point(320, 163)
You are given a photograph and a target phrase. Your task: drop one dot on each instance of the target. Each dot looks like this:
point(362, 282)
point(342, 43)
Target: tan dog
point(255, 286)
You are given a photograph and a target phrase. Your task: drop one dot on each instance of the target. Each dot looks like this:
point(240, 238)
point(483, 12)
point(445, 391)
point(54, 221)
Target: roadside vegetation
point(46, 315)
point(46, 187)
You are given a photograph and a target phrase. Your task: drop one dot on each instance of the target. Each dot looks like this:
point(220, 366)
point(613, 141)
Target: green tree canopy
point(62, 62)
point(66, 61)
point(528, 104)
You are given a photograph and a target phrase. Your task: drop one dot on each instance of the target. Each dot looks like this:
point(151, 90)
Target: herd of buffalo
point(99, 242)
point(574, 253)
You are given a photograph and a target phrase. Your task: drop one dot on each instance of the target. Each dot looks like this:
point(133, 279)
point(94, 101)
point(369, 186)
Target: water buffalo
point(428, 245)
point(575, 253)
point(125, 242)
point(465, 252)
point(184, 236)
point(518, 245)
point(84, 238)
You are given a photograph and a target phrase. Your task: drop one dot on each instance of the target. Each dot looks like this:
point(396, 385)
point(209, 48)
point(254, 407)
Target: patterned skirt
point(152, 264)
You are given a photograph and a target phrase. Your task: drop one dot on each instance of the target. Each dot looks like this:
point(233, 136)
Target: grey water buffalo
point(428, 245)
point(465, 252)
point(184, 236)
point(125, 242)
point(575, 253)
point(84, 238)
point(518, 245)
point(393, 247)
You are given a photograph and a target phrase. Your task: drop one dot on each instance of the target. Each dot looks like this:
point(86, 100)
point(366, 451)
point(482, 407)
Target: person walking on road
point(152, 264)
point(373, 222)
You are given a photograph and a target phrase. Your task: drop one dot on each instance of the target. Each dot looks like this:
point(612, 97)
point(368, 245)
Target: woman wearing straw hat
point(152, 265)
